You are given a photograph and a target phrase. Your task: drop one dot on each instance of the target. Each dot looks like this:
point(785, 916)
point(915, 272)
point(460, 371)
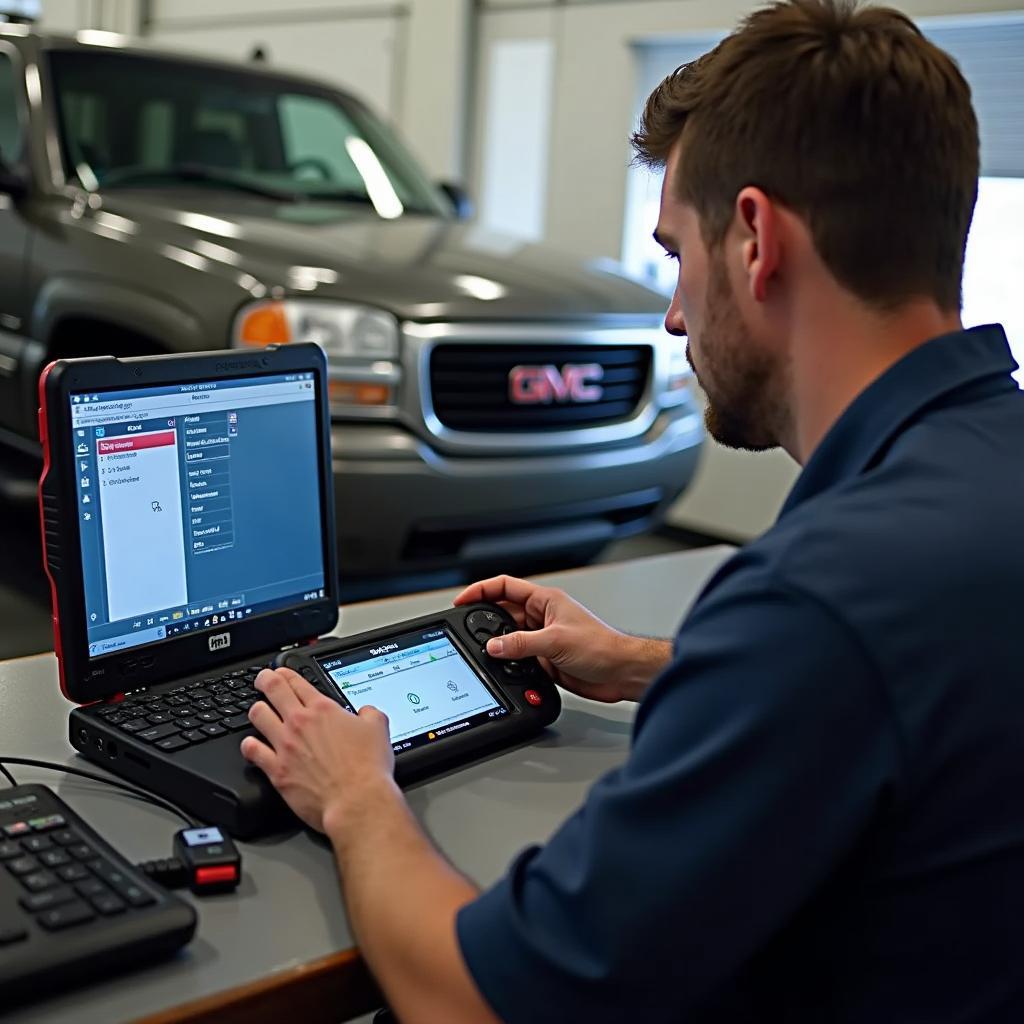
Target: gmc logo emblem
point(220, 641)
point(542, 385)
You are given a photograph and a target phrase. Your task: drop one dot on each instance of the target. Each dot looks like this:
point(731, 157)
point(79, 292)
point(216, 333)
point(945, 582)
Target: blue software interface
point(198, 505)
point(420, 681)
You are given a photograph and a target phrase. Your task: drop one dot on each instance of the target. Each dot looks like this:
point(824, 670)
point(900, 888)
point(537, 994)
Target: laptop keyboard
point(192, 713)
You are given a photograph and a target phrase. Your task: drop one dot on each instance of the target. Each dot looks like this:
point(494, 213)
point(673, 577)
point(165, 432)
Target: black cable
point(7, 775)
point(141, 794)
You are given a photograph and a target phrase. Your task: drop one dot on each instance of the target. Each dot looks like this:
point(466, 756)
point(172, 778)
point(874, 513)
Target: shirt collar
point(887, 405)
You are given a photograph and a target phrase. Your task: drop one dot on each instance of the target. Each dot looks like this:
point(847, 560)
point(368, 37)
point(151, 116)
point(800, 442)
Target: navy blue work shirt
point(821, 818)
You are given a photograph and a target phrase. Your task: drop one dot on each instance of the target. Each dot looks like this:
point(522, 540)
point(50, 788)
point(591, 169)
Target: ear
point(758, 222)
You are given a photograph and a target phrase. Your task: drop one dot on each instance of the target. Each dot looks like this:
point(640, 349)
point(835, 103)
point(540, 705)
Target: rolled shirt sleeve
point(759, 759)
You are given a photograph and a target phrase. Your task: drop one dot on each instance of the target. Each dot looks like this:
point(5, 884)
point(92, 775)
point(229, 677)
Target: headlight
point(361, 344)
point(344, 331)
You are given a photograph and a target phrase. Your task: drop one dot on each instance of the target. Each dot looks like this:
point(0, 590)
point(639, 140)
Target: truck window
point(10, 129)
point(133, 121)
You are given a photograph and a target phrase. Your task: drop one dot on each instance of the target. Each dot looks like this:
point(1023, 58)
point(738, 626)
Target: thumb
point(527, 643)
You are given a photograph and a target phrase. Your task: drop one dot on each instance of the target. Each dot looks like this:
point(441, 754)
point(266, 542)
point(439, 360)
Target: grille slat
point(470, 385)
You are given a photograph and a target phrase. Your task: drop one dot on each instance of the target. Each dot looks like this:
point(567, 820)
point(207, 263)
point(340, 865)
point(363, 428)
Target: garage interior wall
point(430, 67)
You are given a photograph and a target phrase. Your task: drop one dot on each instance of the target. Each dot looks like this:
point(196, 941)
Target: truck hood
point(420, 268)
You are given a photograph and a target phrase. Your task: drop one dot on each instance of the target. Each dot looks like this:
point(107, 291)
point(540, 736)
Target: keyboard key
point(54, 858)
point(36, 844)
point(111, 875)
point(66, 837)
point(23, 865)
point(66, 916)
point(189, 723)
point(135, 725)
point(209, 716)
point(73, 873)
point(91, 887)
point(176, 700)
point(39, 901)
point(39, 880)
point(237, 722)
point(48, 822)
point(17, 828)
point(12, 933)
point(9, 850)
point(108, 904)
point(157, 732)
point(135, 895)
point(171, 743)
point(80, 851)
point(195, 735)
point(159, 718)
point(213, 729)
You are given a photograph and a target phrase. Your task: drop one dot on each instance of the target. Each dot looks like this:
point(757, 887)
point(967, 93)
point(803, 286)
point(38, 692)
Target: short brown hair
point(848, 116)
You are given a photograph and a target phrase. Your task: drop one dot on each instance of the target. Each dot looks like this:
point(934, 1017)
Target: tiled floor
point(25, 600)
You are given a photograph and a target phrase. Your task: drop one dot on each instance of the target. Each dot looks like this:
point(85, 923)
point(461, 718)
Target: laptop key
point(237, 722)
point(134, 725)
point(188, 723)
point(209, 716)
point(91, 887)
point(9, 850)
point(172, 743)
point(66, 837)
point(23, 865)
point(158, 732)
point(159, 718)
point(195, 735)
point(108, 904)
point(212, 729)
point(54, 858)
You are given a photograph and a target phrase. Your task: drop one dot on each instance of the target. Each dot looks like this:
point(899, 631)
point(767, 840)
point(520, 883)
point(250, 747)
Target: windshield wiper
point(196, 173)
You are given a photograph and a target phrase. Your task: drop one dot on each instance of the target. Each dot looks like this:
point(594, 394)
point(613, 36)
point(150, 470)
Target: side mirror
point(460, 199)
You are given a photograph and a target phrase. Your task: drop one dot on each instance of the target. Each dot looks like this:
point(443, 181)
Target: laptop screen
point(199, 504)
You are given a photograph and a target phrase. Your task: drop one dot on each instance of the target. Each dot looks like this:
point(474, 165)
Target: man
point(822, 814)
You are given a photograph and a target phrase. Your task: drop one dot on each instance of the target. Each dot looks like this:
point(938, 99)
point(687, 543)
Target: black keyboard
point(71, 907)
point(192, 713)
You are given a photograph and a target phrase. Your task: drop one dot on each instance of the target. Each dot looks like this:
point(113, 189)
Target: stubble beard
point(742, 381)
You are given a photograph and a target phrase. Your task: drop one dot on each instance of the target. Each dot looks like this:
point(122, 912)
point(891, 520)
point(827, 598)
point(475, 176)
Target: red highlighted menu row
point(119, 445)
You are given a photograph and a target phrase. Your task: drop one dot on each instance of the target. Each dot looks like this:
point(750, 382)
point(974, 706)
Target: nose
point(674, 322)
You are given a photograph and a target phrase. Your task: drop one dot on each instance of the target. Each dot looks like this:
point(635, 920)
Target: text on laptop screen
point(198, 504)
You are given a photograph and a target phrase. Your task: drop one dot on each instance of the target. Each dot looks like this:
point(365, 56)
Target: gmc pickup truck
point(494, 403)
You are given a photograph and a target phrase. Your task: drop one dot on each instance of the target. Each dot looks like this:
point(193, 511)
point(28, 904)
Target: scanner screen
point(422, 683)
point(198, 505)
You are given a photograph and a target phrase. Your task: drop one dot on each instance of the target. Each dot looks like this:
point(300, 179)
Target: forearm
point(402, 898)
point(644, 659)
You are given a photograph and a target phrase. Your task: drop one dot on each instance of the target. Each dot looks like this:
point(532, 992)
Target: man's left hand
point(326, 762)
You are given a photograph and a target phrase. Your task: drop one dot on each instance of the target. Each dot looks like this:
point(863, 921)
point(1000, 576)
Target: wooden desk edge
point(329, 989)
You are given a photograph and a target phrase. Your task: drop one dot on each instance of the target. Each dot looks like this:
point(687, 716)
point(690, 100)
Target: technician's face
point(739, 376)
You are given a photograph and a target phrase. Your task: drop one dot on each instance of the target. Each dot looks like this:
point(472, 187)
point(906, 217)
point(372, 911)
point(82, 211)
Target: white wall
point(735, 494)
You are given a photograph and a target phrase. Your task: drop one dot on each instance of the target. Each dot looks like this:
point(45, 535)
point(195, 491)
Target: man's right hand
point(579, 651)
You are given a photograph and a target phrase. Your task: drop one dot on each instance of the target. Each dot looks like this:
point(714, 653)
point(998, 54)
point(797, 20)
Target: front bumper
point(402, 506)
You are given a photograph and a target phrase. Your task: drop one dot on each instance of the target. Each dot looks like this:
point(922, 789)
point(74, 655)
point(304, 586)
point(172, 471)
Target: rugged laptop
point(188, 520)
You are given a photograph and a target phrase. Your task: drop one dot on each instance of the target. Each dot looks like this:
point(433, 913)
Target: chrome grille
point(470, 386)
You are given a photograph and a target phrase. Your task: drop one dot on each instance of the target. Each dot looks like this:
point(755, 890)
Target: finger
point(526, 643)
point(257, 753)
point(263, 716)
point(303, 689)
point(275, 685)
point(516, 611)
point(496, 589)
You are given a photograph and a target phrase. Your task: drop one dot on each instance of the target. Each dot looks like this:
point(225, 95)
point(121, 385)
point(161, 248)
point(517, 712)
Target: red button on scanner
point(208, 876)
point(533, 697)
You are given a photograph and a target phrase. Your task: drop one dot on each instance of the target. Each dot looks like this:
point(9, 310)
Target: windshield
point(128, 121)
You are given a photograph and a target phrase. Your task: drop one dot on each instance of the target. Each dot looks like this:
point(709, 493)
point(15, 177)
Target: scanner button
point(534, 698)
point(483, 624)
